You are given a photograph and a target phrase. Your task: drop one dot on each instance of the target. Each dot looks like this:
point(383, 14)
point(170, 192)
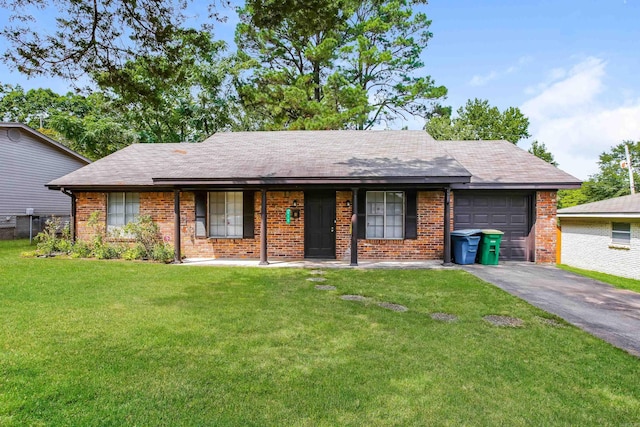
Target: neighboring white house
point(29, 160)
point(603, 236)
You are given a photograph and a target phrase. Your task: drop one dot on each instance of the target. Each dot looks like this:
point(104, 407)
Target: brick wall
point(343, 225)
point(586, 243)
point(428, 245)
point(545, 227)
point(287, 240)
point(86, 204)
point(284, 240)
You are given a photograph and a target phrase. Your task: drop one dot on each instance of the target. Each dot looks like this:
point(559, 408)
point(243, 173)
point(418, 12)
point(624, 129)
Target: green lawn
point(617, 281)
point(124, 343)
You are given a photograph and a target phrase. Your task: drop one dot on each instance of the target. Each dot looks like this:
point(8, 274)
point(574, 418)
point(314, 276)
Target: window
point(225, 214)
point(385, 215)
point(621, 233)
point(123, 208)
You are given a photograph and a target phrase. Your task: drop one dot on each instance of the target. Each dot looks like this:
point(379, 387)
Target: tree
point(330, 64)
point(177, 96)
point(568, 198)
point(539, 149)
point(90, 35)
point(477, 120)
point(86, 124)
point(35, 106)
point(612, 180)
point(286, 68)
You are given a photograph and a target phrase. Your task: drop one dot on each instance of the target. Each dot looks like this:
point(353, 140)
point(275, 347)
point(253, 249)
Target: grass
point(617, 281)
point(124, 343)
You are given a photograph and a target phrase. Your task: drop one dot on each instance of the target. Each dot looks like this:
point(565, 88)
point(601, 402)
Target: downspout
point(176, 211)
point(354, 227)
point(447, 226)
point(72, 219)
point(263, 228)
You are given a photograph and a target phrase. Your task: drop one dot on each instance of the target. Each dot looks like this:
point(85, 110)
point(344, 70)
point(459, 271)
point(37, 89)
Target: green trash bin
point(490, 247)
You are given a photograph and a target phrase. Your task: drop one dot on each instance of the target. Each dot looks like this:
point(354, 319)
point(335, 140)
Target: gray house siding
point(28, 161)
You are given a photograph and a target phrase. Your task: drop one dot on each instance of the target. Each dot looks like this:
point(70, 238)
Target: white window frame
point(129, 199)
point(384, 215)
point(621, 237)
point(227, 233)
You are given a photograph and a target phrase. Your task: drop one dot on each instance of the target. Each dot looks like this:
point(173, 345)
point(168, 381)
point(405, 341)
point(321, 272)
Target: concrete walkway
point(307, 263)
point(598, 308)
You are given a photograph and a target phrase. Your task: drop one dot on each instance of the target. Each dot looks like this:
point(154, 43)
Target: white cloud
point(553, 75)
point(481, 80)
point(573, 121)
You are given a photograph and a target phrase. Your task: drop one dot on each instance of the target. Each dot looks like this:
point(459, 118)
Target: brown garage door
point(507, 212)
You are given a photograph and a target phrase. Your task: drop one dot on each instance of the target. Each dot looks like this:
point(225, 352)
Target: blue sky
point(572, 66)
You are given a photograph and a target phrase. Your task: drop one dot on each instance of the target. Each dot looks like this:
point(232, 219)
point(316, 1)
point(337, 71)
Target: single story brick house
point(603, 236)
point(350, 195)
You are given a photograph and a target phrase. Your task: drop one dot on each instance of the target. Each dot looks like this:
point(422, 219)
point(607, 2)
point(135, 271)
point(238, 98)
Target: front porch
point(319, 224)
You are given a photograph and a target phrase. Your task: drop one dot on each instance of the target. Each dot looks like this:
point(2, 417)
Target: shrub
point(135, 252)
point(107, 251)
point(148, 243)
point(145, 232)
point(162, 252)
point(54, 238)
point(81, 249)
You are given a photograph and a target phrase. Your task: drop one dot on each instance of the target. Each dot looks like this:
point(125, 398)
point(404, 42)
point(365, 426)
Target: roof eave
point(600, 215)
point(176, 182)
point(517, 186)
point(108, 188)
point(167, 184)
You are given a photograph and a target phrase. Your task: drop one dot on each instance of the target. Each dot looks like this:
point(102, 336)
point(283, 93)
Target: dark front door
point(320, 224)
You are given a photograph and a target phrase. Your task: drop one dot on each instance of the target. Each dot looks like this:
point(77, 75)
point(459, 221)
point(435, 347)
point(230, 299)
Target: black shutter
point(411, 215)
point(361, 212)
point(201, 214)
point(248, 211)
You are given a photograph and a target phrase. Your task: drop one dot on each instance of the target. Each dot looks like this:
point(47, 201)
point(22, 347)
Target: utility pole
point(632, 185)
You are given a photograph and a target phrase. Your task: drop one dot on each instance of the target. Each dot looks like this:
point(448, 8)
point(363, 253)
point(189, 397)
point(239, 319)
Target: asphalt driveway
point(604, 311)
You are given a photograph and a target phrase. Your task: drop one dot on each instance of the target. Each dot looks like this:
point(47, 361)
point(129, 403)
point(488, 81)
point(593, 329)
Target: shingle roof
point(626, 206)
point(501, 162)
point(44, 138)
point(377, 156)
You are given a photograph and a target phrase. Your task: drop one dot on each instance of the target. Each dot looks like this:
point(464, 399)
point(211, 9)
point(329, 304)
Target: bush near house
point(136, 240)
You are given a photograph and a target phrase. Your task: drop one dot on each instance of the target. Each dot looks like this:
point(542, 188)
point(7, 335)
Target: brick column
point(545, 227)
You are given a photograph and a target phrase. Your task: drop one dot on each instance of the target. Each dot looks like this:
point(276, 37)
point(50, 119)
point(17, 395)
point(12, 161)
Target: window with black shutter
point(225, 214)
point(248, 215)
point(387, 214)
point(201, 214)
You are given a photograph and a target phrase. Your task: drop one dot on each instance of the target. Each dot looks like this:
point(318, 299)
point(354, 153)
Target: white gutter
point(600, 215)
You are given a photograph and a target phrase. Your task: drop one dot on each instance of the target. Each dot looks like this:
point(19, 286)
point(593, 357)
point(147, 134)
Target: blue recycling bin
point(465, 245)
